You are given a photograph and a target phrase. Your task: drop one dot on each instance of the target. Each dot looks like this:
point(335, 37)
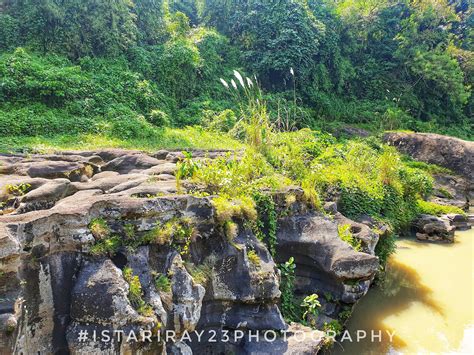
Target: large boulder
point(452, 190)
point(434, 229)
point(187, 298)
point(324, 263)
point(449, 152)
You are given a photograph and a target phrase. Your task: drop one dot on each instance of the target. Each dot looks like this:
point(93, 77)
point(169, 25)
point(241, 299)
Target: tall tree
point(150, 21)
point(76, 27)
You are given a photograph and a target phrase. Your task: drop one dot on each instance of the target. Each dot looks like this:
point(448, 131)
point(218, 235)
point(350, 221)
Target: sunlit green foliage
point(345, 234)
point(135, 293)
point(288, 302)
point(437, 209)
point(139, 64)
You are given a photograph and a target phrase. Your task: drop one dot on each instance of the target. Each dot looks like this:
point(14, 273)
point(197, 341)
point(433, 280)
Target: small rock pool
point(426, 300)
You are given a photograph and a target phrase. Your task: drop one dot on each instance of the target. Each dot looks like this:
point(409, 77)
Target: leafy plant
point(344, 232)
point(288, 304)
point(311, 307)
point(266, 224)
point(18, 190)
point(162, 283)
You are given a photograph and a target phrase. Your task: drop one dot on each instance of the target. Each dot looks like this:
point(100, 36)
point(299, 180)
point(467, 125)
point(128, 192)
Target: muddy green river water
point(426, 301)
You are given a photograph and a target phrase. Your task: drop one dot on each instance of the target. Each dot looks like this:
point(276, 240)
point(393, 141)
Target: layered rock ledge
point(54, 287)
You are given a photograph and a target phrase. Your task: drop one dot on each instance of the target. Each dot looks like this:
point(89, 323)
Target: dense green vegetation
point(126, 69)
point(148, 74)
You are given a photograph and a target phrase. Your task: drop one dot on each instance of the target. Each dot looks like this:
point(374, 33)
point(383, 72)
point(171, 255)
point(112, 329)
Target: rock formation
point(57, 284)
point(449, 152)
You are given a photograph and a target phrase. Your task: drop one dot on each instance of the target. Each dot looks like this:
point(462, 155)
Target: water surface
point(426, 299)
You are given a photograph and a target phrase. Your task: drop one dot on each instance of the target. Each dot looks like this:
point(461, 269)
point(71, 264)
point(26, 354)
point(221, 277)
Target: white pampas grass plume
point(233, 84)
point(292, 71)
point(249, 82)
point(239, 78)
point(224, 83)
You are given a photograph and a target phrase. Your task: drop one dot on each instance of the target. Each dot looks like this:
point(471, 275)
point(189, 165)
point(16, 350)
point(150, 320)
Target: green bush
point(219, 121)
point(159, 118)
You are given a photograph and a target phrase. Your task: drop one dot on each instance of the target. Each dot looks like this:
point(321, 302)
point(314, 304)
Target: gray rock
point(433, 229)
point(360, 231)
point(449, 152)
point(298, 340)
point(46, 196)
point(131, 162)
point(324, 263)
point(57, 169)
point(187, 298)
point(161, 154)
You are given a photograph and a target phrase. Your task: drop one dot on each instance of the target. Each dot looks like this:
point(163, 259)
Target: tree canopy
point(396, 63)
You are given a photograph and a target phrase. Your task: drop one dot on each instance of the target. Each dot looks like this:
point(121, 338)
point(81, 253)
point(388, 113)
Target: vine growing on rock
point(288, 303)
point(266, 224)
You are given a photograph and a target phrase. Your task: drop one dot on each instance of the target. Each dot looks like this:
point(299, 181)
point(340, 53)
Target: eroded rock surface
point(434, 229)
point(55, 287)
point(449, 152)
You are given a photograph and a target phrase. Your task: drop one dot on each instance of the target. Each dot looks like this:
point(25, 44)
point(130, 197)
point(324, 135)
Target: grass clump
point(254, 258)
point(99, 228)
point(162, 283)
point(135, 293)
point(430, 168)
point(18, 190)
point(203, 272)
point(228, 208)
point(107, 246)
point(427, 207)
point(445, 193)
point(344, 232)
point(177, 232)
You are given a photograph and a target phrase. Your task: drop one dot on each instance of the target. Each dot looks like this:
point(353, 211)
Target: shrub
point(158, 118)
point(222, 121)
point(186, 167)
point(385, 247)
